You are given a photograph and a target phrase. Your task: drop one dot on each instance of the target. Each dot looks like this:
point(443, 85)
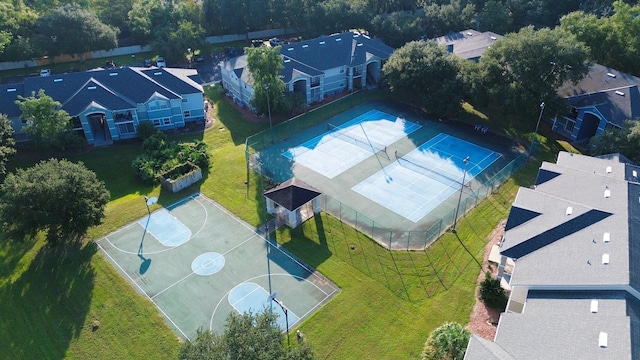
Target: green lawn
point(74, 304)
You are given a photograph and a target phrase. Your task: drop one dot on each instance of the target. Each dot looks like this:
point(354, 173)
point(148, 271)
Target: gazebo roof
point(292, 194)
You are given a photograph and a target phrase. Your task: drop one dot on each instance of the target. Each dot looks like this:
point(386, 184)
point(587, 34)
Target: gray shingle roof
point(614, 93)
point(292, 194)
point(8, 96)
point(120, 88)
point(469, 44)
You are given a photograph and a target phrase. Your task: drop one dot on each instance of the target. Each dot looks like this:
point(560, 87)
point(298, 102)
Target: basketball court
point(197, 262)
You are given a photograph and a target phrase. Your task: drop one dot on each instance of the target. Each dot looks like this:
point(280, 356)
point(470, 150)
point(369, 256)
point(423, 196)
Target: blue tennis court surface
point(348, 144)
point(419, 181)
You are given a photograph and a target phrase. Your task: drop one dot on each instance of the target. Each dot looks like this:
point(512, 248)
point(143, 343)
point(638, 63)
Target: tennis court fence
point(394, 239)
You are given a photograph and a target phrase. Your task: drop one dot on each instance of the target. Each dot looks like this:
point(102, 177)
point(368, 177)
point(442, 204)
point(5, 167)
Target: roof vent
point(57, 80)
point(618, 92)
point(338, 39)
point(569, 210)
point(606, 237)
point(157, 73)
point(305, 46)
point(607, 193)
point(11, 90)
point(635, 174)
point(602, 339)
point(608, 169)
point(322, 43)
point(594, 306)
point(91, 88)
point(605, 259)
point(611, 75)
point(113, 74)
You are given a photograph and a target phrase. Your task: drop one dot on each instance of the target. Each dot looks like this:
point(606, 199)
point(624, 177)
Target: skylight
point(609, 170)
point(157, 73)
point(605, 259)
point(290, 49)
point(305, 46)
point(602, 339)
point(606, 237)
point(618, 92)
point(569, 210)
point(611, 75)
point(57, 80)
point(91, 88)
point(11, 90)
point(594, 306)
point(113, 74)
point(635, 174)
point(494, 38)
point(322, 43)
point(607, 193)
point(338, 39)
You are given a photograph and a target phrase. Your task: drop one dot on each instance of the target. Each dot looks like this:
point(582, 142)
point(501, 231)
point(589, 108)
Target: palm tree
point(448, 342)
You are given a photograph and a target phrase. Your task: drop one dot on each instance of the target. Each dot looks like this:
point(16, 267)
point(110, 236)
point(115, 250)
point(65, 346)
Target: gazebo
point(293, 202)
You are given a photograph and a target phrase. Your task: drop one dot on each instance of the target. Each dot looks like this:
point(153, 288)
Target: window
point(166, 121)
point(156, 122)
point(75, 123)
point(126, 128)
point(186, 113)
point(157, 104)
point(570, 124)
point(185, 100)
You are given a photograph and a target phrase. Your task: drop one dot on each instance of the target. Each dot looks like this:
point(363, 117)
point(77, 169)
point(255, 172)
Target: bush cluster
point(492, 294)
point(161, 155)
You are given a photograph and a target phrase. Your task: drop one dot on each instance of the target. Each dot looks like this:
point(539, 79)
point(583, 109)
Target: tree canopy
point(625, 141)
point(7, 142)
point(265, 64)
point(59, 197)
point(613, 40)
point(45, 120)
point(70, 29)
point(527, 68)
point(250, 336)
point(423, 72)
point(447, 342)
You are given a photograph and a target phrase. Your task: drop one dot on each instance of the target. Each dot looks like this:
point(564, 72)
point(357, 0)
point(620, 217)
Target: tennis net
point(340, 133)
point(426, 171)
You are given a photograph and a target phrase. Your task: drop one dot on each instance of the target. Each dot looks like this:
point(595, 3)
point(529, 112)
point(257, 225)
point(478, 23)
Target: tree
point(265, 64)
point(613, 40)
point(73, 30)
point(57, 196)
point(423, 73)
point(447, 342)
point(495, 16)
point(491, 292)
point(526, 68)
point(248, 336)
point(7, 142)
point(46, 122)
point(625, 141)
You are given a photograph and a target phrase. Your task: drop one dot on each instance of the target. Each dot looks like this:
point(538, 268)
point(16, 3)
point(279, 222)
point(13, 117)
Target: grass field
point(74, 304)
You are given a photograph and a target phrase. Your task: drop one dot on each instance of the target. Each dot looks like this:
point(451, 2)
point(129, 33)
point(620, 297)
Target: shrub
point(146, 129)
point(492, 294)
point(448, 341)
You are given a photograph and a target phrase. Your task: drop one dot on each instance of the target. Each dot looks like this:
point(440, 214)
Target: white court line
point(142, 290)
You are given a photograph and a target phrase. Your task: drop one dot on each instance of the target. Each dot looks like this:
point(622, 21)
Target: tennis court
point(196, 262)
point(342, 147)
point(419, 181)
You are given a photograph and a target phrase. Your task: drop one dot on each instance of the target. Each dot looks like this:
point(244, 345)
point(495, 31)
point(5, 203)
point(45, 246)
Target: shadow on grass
point(46, 307)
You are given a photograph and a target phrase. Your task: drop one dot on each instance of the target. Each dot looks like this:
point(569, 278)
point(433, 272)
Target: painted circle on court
point(208, 263)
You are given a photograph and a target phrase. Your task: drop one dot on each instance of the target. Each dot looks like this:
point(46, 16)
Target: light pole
point(286, 315)
point(464, 173)
point(266, 88)
point(542, 105)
